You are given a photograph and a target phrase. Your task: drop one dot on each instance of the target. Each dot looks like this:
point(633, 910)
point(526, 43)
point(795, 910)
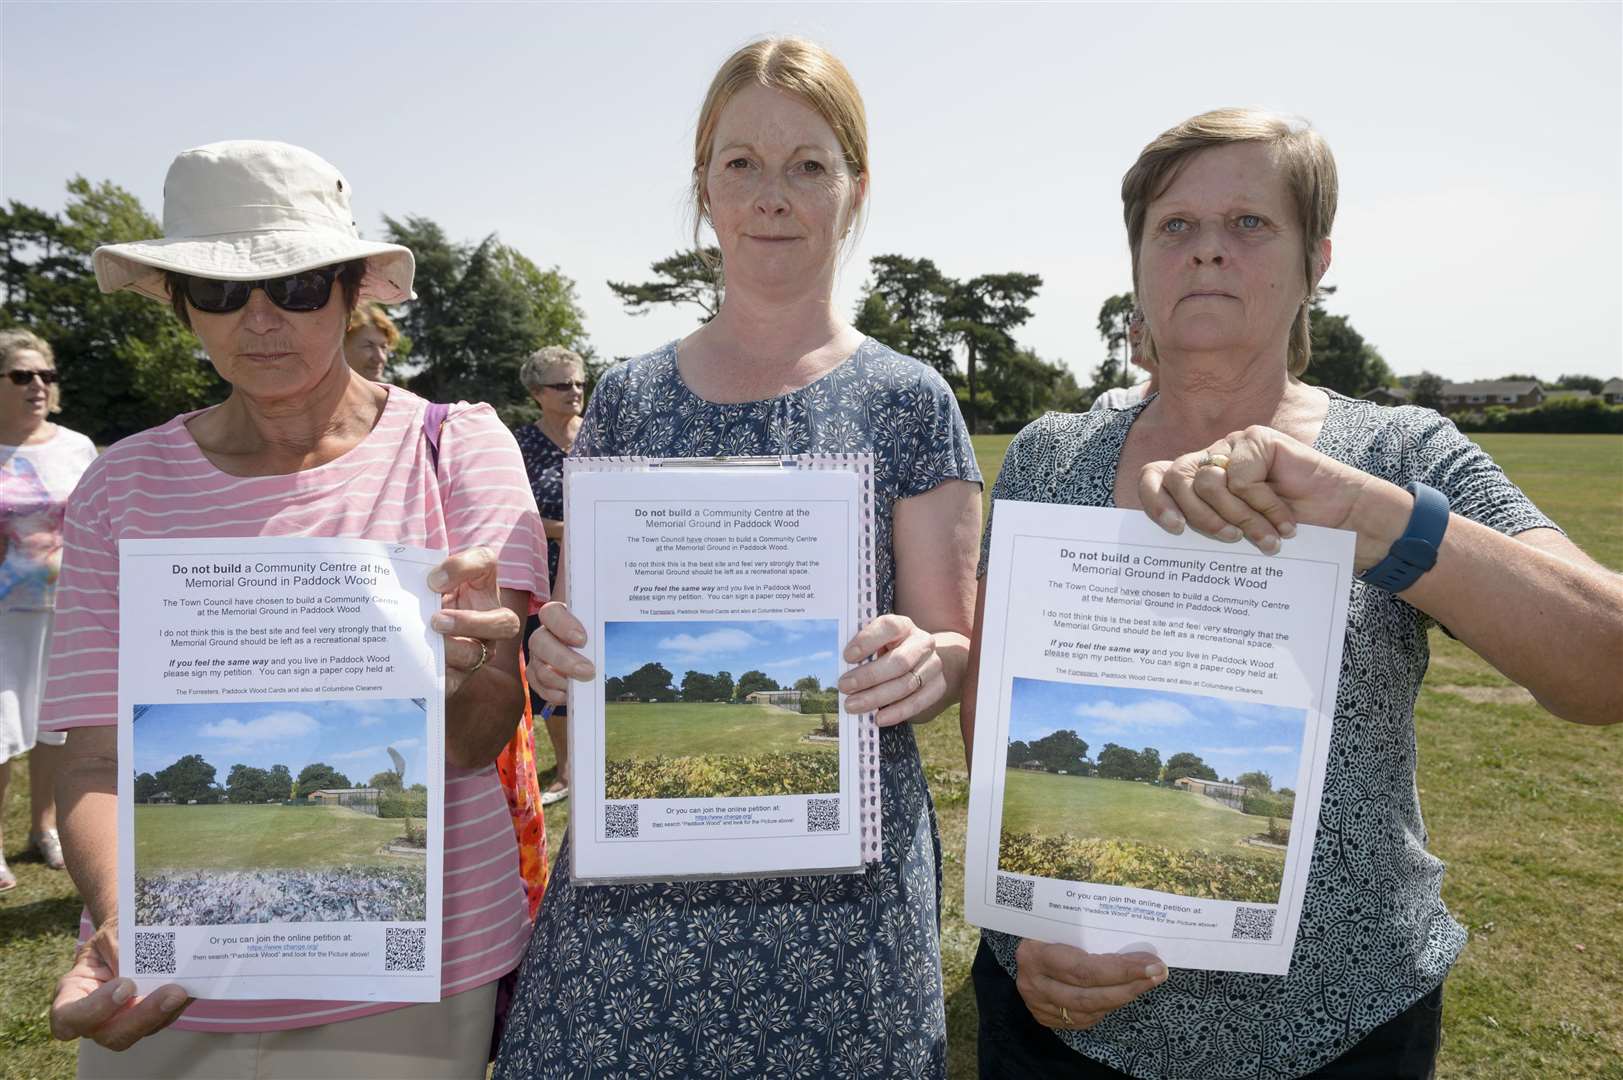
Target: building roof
point(1612, 386)
point(1517, 388)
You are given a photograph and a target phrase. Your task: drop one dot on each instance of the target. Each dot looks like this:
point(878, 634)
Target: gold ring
point(1220, 461)
point(484, 654)
point(1066, 1017)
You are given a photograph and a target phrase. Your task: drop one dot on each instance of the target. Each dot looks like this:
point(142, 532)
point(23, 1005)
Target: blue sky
point(351, 736)
point(1231, 736)
point(1480, 146)
point(785, 649)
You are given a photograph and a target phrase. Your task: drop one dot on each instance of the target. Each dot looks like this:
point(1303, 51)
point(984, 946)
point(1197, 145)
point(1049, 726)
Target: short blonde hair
point(18, 340)
point(1298, 151)
point(537, 363)
point(373, 315)
point(795, 66)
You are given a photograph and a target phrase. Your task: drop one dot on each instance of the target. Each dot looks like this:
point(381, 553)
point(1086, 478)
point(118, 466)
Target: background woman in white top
point(40, 462)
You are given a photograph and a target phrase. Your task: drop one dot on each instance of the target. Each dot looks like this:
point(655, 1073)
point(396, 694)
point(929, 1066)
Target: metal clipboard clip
point(722, 461)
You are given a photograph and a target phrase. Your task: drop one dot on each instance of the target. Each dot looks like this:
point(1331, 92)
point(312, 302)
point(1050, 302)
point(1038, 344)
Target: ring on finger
point(1217, 461)
point(917, 680)
point(484, 654)
point(1065, 1017)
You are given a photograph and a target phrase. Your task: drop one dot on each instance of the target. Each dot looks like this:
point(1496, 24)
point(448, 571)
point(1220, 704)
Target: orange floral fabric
point(516, 767)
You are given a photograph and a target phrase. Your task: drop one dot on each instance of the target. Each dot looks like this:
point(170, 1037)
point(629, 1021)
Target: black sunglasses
point(23, 378)
point(573, 384)
point(307, 290)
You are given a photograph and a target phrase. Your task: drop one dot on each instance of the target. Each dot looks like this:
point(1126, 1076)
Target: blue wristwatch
point(1415, 551)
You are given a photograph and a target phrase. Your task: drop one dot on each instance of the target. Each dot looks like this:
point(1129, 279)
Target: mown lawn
point(1523, 807)
point(1088, 807)
point(693, 729)
point(240, 837)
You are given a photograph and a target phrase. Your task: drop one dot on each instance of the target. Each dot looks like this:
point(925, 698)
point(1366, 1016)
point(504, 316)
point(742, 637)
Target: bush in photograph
point(1591, 417)
point(722, 776)
point(403, 804)
point(1205, 874)
point(814, 704)
point(339, 894)
point(1268, 805)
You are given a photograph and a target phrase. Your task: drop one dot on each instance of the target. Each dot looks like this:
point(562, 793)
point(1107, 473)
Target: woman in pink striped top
point(256, 237)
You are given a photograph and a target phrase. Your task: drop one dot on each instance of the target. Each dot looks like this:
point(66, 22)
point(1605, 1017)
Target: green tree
point(1258, 781)
point(1114, 316)
point(808, 684)
point(1342, 359)
point(982, 314)
point(387, 780)
point(480, 310)
point(281, 783)
point(724, 686)
point(613, 687)
point(189, 778)
point(247, 784)
point(751, 681)
point(318, 775)
point(1019, 753)
point(1592, 383)
point(691, 276)
point(1149, 764)
point(1060, 750)
point(903, 306)
point(126, 363)
point(1022, 386)
point(1185, 764)
point(1427, 391)
point(651, 682)
point(146, 786)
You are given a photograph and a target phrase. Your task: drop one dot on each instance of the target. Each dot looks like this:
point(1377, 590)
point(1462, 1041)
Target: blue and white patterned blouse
point(792, 977)
point(1374, 935)
point(544, 465)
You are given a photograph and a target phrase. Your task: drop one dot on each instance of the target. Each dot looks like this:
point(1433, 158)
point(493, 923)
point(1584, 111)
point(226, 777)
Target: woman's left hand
point(904, 678)
point(473, 619)
point(1260, 484)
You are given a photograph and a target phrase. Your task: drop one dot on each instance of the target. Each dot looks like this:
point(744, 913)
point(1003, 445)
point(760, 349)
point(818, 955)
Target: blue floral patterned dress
point(794, 977)
point(544, 465)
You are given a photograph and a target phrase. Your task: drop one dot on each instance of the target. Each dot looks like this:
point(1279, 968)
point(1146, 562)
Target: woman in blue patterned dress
point(1228, 218)
point(556, 378)
point(800, 976)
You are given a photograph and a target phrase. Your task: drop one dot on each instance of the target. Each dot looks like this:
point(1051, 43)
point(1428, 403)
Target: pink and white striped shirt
point(158, 484)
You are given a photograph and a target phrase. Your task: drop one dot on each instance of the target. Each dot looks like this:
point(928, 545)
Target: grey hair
point(539, 361)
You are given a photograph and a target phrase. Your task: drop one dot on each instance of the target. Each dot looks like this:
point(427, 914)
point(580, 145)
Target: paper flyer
point(1151, 732)
point(717, 602)
point(281, 747)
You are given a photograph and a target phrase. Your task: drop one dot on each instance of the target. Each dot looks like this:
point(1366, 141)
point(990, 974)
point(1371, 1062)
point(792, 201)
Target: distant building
point(773, 697)
point(1611, 391)
point(1475, 396)
point(162, 798)
point(356, 798)
point(1390, 395)
point(1230, 795)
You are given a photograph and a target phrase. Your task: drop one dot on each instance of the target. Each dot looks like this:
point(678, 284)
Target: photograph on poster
point(284, 811)
point(700, 709)
point(1181, 793)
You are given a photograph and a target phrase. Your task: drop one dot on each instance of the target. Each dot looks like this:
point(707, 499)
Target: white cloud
point(1117, 719)
point(272, 727)
point(1277, 748)
point(381, 752)
point(795, 661)
point(714, 643)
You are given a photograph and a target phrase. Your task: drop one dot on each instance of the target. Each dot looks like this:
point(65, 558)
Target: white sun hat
point(249, 209)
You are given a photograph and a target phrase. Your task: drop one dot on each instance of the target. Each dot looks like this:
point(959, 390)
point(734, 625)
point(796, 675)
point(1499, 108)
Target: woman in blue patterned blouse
point(799, 976)
point(556, 378)
point(1228, 222)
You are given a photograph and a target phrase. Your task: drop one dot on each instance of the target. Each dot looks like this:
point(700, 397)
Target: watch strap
point(1414, 552)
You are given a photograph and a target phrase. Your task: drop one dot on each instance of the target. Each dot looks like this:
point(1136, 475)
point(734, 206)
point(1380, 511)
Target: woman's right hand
point(92, 1002)
point(552, 660)
point(1065, 987)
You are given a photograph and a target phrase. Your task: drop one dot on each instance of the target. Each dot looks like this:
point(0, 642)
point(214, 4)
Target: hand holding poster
point(1153, 719)
point(281, 729)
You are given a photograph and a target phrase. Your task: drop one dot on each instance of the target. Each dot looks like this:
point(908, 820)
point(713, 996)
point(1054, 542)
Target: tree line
point(192, 779)
point(653, 682)
point(1067, 752)
point(482, 306)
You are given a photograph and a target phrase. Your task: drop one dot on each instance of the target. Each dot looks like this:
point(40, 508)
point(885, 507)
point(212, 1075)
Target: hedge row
point(1142, 866)
point(722, 776)
point(1591, 417)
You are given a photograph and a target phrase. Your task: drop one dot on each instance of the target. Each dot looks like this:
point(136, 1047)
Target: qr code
point(403, 948)
point(1015, 892)
point(155, 952)
point(1253, 924)
point(822, 815)
point(620, 820)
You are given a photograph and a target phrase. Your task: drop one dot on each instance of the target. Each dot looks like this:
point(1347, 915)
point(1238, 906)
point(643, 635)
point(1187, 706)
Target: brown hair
point(1299, 152)
point(349, 279)
point(795, 66)
point(374, 316)
point(18, 340)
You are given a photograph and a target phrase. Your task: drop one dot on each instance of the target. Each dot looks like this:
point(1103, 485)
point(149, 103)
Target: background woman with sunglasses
point(261, 259)
point(40, 462)
point(556, 378)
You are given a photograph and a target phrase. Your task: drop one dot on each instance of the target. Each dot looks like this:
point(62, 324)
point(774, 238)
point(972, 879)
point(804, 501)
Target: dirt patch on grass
point(1489, 695)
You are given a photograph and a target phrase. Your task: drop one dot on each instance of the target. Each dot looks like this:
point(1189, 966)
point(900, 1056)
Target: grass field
point(1522, 807)
point(238, 837)
point(1052, 805)
point(693, 729)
